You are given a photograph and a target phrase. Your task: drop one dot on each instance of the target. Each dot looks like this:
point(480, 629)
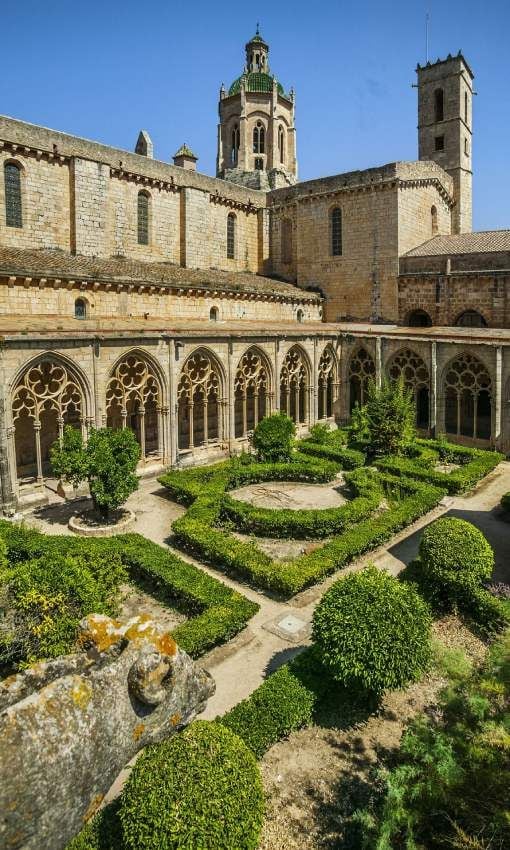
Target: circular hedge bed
point(373, 631)
point(198, 789)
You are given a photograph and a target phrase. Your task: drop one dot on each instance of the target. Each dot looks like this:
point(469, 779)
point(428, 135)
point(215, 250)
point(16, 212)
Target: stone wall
point(445, 297)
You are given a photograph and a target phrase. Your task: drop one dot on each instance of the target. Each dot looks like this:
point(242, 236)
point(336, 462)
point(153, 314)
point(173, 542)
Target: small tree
point(372, 632)
point(386, 423)
point(108, 462)
point(273, 437)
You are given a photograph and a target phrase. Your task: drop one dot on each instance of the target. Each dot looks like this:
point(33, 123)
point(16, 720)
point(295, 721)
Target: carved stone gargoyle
point(69, 726)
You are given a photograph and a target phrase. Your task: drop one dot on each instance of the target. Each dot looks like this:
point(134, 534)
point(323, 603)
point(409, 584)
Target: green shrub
point(320, 433)
point(474, 464)
point(505, 502)
point(347, 458)
point(198, 789)
point(107, 461)
point(216, 612)
point(455, 557)
point(273, 437)
point(373, 632)
point(386, 422)
point(103, 832)
point(44, 600)
point(450, 786)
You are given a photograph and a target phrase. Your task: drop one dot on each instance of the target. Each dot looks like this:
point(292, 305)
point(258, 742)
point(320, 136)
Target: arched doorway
point(467, 391)
point(46, 397)
point(198, 393)
point(134, 400)
point(326, 383)
point(251, 402)
point(411, 367)
point(294, 385)
point(419, 319)
point(361, 372)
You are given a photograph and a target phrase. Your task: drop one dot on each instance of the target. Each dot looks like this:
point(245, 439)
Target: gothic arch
point(361, 371)
point(135, 398)
point(326, 382)
point(48, 392)
point(471, 318)
point(409, 365)
point(467, 393)
point(252, 390)
point(200, 399)
point(295, 384)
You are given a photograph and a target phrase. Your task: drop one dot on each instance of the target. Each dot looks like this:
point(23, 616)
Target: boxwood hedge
point(216, 612)
point(198, 531)
point(474, 464)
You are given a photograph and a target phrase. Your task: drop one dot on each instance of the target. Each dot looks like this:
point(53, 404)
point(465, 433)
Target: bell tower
point(256, 130)
point(445, 128)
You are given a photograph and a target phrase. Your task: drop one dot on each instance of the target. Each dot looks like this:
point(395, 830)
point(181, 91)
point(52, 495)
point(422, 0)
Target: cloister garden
point(358, 656)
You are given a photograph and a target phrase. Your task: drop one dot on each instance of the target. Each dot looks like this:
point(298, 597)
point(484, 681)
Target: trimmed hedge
point(197, 530)
point(200, 788)
point(505, 502)
point(286, 701)
point(347, 458)
point(306, 524)
point(475, 464)
point(217, 612)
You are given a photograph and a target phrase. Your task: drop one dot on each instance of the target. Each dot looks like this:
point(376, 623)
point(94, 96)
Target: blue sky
point(104, 70)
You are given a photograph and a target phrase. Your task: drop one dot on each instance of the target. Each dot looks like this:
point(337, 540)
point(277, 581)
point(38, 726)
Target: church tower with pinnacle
point(256, 130)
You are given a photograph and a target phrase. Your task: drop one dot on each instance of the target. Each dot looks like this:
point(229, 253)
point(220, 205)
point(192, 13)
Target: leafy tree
point(386, 423)
point(107, 461)
point(372, 631)
point(273, 437)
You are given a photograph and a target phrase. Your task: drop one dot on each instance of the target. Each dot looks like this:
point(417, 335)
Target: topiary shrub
point(455, 558)
point(320, 433)
point(273, 437)
point(199, 789)
point(505, 502)
point(373, 632)
point(385, 424)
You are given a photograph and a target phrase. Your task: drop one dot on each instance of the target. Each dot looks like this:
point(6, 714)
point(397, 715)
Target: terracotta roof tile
point(57, 263)
point(482, 242)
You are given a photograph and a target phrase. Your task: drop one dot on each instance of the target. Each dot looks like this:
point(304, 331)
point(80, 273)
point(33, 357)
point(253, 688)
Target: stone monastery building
point(143, 294)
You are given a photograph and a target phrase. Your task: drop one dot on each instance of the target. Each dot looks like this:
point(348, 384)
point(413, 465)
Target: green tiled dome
point(255, 81)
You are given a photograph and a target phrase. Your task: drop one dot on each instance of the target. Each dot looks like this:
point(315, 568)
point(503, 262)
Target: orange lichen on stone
point(138, 731)
point(167, 645)
point(81, 692)
point(175, 718)
point(94, 804)
point(101, 631)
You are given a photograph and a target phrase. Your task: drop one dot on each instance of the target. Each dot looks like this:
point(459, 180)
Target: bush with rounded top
point(272, 438)
point(373, 632)
point(455, 557)
point(198, 789)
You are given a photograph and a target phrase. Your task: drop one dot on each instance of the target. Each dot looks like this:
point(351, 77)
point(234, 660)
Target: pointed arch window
point(361, 372)
point(12, 182)
point(235, 144)
point(231, 236)
point(259, 138)
point(336, 232)
point(251, 402)
point(143, 218)
point(468, 398)
point(281, 144)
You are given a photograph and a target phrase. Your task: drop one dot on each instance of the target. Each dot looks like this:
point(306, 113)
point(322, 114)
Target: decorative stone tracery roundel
point(294, 385)
point(361, 371)
point(47, 397)
point(133, 399)
point(251, 391)
point(467, 390)
point(326, 383)
point(412, 368)
point(198, 396)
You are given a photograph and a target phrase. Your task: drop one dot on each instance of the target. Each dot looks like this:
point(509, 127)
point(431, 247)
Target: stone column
point(314, 410)
point(378, 362)
point(230, 398)
point(433, 389)
point(276, 394)
point(496, 412)
point(171, 419)
point(7, 458)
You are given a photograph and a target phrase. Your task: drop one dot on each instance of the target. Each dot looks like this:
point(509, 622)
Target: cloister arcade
point(187, 402)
